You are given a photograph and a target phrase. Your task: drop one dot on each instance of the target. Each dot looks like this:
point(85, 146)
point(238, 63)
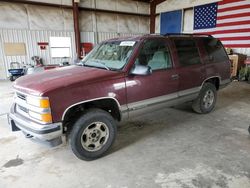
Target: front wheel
point(93, 134)
point(206, 100)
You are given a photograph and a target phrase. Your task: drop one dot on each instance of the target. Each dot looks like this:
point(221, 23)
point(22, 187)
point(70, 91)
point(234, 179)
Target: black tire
point(88, 122)
point(12, 78)
point(199, 105)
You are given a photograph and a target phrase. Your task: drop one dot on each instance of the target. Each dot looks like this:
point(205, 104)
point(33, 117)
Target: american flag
point(228, 20)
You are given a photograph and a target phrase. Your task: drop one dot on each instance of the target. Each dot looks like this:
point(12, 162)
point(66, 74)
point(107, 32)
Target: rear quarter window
point(187, 51)
point(215, 50)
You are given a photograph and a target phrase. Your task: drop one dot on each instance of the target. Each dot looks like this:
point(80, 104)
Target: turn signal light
point(44, 103)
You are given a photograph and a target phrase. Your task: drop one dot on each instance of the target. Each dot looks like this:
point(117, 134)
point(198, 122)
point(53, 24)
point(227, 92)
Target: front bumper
point(42, 132)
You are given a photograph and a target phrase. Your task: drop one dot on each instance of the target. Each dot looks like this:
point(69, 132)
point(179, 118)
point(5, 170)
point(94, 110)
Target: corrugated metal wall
point(31, 24)
point(31, 38)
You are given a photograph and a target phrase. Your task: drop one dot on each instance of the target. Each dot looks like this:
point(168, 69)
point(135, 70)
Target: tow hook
point(27, 135)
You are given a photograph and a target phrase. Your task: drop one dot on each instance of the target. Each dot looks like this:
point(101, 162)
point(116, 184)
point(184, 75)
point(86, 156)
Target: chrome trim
point(124, 112)
point(31, 107)
point(164, 98)
point(35, 96)
point(210, 78)
point(151, 101)
point(26, 115)
point(161, 105)
point(23, 103)
point(124, 108)
point(95, 99)
point(189, 91)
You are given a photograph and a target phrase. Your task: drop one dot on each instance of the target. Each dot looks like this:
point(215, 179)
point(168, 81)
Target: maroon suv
point(119, 79)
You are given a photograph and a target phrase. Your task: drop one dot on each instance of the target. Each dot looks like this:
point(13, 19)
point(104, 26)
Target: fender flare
point(91, 100)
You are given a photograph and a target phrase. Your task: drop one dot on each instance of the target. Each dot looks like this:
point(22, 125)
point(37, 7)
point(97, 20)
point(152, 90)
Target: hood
point(39, 83)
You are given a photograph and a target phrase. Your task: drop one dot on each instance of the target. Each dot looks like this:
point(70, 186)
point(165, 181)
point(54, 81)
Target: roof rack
point(188, 34)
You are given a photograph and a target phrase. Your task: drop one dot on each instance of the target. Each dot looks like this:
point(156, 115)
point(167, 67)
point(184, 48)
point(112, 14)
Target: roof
point(140, 37)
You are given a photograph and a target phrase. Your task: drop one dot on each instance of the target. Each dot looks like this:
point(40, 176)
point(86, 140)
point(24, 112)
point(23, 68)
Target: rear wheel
point(92, 134)
point(206, 100)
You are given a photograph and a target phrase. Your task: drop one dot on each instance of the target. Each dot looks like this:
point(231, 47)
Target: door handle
point(175, 77)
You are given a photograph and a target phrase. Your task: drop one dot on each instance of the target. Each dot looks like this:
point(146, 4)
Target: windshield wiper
point(95, 64)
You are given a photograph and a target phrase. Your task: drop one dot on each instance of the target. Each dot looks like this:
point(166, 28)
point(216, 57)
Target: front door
point(146, 91)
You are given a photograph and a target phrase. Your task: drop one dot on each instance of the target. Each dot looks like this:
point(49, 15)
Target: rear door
point(152, 90)
point(191, 70)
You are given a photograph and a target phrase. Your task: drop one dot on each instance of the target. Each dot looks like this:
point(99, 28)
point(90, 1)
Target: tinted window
point(215, 50)
point(187, 51)
point(155, 54)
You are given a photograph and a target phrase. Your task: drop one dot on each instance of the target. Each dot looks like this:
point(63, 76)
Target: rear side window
point(187, 51)
point(215, 50)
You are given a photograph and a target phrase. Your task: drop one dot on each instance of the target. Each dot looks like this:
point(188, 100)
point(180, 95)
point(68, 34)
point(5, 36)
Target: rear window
point(215, 50)
point(187, 51)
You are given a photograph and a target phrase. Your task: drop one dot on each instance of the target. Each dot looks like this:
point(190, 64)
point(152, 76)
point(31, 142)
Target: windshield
point(110, 55)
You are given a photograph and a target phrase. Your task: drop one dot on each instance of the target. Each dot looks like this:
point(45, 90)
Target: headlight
point(46, 118)
point(38, 102)
point(40, 110)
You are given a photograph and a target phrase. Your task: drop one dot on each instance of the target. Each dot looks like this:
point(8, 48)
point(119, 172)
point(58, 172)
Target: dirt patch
point(7, 140)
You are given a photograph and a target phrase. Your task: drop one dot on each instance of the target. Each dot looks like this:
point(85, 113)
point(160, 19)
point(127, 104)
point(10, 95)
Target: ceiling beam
point(113, 12)
point(71, 7)
point(37, 3)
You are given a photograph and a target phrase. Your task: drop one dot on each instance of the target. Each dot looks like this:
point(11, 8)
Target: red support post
point(152, 16)
point(76, 28)
point(153, 5)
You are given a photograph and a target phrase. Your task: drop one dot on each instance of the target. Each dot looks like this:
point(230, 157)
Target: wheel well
point(215, 81)
point(109, 105)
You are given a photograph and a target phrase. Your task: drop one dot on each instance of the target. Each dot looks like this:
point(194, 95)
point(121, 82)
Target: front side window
point(155, 54)
point(187, 51)
point(215, 50)
point(110, 55)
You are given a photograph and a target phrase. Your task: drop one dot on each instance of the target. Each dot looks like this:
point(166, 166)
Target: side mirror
point(141, 70)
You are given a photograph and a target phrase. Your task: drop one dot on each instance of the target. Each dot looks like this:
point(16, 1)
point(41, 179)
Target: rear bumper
point(42, 132)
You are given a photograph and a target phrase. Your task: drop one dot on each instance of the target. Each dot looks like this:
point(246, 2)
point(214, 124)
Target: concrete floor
point(171, 148)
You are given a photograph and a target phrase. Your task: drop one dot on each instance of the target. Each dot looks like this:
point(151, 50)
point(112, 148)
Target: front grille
point(21, 96)
point(23, 109)
point(20, 104)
